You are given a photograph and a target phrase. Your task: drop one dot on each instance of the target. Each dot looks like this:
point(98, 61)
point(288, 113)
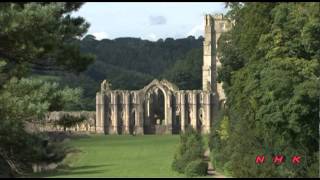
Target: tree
point(35, 36)
point(24, 102)
point(186, 72)
point(132, 63)
point(270, 70)
point(41, 36)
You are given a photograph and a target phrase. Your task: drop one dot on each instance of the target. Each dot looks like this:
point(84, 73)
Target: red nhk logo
point(278, 159)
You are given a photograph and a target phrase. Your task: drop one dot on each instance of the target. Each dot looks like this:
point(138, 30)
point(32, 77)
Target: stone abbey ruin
point(161, 107)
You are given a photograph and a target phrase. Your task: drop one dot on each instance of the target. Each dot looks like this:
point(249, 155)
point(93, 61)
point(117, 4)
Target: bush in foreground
point(196, 168)
point(190, 150)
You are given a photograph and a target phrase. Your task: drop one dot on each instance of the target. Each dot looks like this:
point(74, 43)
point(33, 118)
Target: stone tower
point(209, 65)
point(214, 26)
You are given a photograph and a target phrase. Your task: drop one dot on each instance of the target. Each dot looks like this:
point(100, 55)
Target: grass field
point(120, 156)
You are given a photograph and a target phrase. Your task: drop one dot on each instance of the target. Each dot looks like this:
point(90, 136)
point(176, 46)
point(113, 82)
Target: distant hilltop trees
point(92, 37)
point(131, 63)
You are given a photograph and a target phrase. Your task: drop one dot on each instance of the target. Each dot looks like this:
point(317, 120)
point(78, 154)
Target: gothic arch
point(157, 87)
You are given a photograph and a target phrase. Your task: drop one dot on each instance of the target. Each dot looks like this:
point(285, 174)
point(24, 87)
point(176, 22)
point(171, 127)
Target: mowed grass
point(120, 156)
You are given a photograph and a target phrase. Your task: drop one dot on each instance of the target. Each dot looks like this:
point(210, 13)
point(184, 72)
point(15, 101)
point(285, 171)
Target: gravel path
point(211, 171)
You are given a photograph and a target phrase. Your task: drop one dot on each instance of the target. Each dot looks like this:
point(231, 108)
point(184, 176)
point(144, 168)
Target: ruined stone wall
point(135, 112)
point(87, 126)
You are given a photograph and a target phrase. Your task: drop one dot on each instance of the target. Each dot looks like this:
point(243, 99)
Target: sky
point(151, 21)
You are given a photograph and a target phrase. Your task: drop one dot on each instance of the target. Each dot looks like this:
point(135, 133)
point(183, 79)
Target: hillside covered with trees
point(132, 63)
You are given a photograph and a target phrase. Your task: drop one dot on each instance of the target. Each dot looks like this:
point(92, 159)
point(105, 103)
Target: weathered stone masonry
point(160, 107)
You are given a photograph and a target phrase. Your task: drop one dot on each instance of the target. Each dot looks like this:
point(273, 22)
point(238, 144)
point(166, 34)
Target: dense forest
point(132, 63)
point(270, 70)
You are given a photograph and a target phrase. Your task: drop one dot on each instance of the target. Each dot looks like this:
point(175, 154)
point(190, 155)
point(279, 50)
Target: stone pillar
point(182, 111)
point(168, 113)
point(194, 110)
point(207, 112)
point(114, 105)
point(126, 113)
point(100, 113)
point(139, 114)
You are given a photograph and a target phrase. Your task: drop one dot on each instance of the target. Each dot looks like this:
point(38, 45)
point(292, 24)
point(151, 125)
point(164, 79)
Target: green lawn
point(121, 156)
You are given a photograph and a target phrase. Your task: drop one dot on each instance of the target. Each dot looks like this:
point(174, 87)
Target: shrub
point(189, 149)
point(68, 121)
point(313, 168)
point(180, 163)
point(196, 168)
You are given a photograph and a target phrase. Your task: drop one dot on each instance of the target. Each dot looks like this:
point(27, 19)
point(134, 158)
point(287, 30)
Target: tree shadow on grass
point(74, 171)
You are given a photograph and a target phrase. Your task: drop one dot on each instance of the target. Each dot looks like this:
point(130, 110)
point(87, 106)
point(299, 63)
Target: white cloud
point(157, 20)
point(100, 35)
point(197, 30)
point(139, 19)
point(152, 37)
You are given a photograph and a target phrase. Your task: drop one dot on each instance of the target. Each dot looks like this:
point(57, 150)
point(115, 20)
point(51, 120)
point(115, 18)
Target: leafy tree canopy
point(270, 69)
